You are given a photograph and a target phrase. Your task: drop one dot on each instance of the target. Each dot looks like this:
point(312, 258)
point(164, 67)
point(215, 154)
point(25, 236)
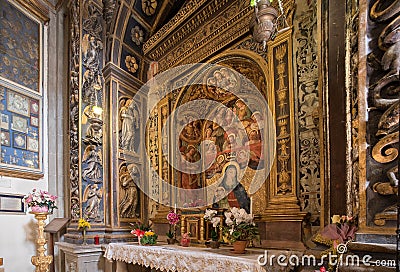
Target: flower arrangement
point(149, 238)
point(240, 226)
point(173, 220)
point(83, 226)
point(210, 215)
point(40, 201)
point(144, 234)
point(337, 235)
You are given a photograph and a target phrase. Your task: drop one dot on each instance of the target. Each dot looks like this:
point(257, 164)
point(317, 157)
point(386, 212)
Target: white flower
point(209, 214)
point(228, 221)
point(215, 221)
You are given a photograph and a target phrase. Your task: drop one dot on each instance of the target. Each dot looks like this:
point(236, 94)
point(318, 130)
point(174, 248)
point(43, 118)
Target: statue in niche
point(129, 115)
point(129, 176)
point(92, 196)
point(92, 159)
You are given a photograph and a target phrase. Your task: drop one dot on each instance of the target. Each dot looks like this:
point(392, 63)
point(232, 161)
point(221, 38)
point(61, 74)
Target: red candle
point(97, 240)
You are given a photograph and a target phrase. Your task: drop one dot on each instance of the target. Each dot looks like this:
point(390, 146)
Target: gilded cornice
point(198, 31)
point(36, 7)
point(181, 25)
point(236, 27)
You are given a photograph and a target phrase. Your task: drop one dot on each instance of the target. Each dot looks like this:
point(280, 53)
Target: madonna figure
point(237, 196)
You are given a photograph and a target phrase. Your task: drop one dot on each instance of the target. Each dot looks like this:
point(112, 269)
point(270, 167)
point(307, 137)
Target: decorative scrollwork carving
point(305, 23)
point(383, 136)
point(74, 110)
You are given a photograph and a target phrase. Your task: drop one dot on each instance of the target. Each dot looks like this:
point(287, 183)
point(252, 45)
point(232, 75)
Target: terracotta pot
point(171, 241)
point(214, 244)
point(239, 247)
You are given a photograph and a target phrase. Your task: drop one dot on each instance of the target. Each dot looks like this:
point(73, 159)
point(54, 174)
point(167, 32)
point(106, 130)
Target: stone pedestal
point(81, 258)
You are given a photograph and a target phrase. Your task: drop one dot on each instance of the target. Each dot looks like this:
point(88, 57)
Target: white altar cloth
point(183, 259)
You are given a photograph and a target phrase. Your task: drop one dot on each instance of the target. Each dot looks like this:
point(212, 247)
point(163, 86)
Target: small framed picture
point(5, 138)
point(34, 106)
point(33, 144)
point(34, 121)
point(5, 121)
point(19, 140)
point(18, 103)
point(19, 124)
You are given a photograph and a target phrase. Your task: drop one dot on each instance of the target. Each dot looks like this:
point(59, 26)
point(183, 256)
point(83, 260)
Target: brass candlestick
point(41, 261)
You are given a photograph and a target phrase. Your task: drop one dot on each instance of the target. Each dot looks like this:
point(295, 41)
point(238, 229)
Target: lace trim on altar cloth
point(173, 258)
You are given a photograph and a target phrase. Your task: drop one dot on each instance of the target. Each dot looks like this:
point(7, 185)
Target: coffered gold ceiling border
point(209, 29)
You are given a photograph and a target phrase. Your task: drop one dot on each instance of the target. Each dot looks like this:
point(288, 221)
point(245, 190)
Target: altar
point(185, 259)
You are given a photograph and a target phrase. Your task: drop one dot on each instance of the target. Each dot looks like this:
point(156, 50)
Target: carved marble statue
point(92, 196)
point(128, 191)
point(93, 169)
point(129, 115)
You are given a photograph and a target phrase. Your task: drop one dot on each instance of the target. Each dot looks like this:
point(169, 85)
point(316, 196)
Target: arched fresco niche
point(229, 138)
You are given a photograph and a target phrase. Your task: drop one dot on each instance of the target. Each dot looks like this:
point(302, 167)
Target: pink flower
point(173, 218)
point(322, 269)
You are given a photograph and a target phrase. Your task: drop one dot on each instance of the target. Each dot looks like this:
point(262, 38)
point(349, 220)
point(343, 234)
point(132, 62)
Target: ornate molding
point(185, 12)
point(190, 38)
point(306, 71)
point(74, 186)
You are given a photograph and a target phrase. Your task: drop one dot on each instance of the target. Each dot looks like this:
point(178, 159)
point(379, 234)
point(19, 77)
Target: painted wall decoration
point(20, 57)
point(20, 137)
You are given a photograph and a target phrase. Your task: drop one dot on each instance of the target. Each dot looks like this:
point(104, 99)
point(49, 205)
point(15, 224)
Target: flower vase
point(239, 246)
point(84, 237)
point(39, 209)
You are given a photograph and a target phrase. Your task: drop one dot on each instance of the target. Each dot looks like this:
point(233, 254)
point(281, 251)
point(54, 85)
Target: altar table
point(184, 259)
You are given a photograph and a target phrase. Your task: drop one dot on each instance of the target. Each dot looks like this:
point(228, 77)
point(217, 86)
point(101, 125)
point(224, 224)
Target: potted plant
point(145, 235)
point(240, 228)
point(173, 220)
point(211, 215)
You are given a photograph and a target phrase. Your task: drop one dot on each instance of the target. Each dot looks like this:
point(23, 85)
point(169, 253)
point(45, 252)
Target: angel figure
point(129, 192)
point(92, 159)
point(92, 196)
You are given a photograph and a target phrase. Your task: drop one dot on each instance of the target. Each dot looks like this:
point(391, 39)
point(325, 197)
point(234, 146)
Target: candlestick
point(175, 208)
point(251, 205)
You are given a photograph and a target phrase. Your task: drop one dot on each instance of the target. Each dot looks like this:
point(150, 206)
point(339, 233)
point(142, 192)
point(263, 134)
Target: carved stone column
point(86, 181)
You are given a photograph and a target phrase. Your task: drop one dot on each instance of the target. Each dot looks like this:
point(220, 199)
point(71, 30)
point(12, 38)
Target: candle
point(251, 205)
point(96, 240)
point(175, 208)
